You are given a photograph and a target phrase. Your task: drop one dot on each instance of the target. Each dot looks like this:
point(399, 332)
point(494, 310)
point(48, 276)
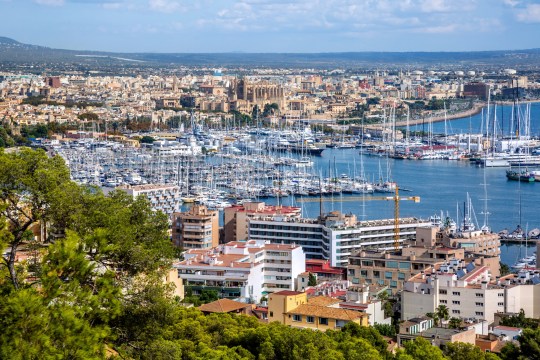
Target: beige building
point(385, 268)
point(246, 94)
point(294, 309)
point(171, 277)
point(470, 292)
point(237, 217)
point(474, 242)
point(197, 228)
point(482, 246)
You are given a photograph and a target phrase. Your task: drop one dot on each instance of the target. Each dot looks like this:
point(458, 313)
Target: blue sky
point(273, 25)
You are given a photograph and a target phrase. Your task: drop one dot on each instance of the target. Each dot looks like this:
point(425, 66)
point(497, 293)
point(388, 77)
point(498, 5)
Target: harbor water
point(504, 116)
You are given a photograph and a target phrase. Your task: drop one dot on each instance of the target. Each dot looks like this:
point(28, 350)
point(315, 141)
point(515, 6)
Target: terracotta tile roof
point(326, 312)
point(287, 293)
point(507, 328)
point(223, 306)
point(322, 301)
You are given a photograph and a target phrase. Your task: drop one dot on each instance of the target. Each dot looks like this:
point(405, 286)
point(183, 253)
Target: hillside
point(12, 51)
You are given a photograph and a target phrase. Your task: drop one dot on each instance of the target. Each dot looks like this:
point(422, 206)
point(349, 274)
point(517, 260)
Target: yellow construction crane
point(396, 199)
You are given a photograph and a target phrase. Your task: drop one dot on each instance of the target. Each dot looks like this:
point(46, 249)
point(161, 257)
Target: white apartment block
point(469, 292)
point(246, 270)
point(165, 198)
point(334, 237)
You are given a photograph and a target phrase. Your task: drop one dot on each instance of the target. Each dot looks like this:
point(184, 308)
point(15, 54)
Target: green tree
point(99, 280)
point(463, 351)
point(147, 140)
point(88, 116)
point(529, 344)
point(504, 269)
point(434, 316)
point(270, 109)
point(29, 183)
point(454, 323)
point(373, 101)
point(442, 312)
point(419, 348)
point(5, 138)
point(520, 320)
point(385, 329)
point(312, 281)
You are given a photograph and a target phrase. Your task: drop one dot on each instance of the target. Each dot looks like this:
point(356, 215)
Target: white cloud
point(442, 29)
point(50, 2)
point(434, 6)
point(530, 14)
point(512, 3)
point(166, 6)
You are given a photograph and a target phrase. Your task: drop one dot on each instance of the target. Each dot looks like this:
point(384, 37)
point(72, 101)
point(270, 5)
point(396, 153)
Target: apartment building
point(238, 216)
point(197, 228)
point(294, 309)
point(335, 236)
point(476, 242)
point(246, 270)
point(392, 270)
point(165, 198)
point(470, 292)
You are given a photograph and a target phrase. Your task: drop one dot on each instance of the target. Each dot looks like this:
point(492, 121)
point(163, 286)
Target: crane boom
point(396, 199)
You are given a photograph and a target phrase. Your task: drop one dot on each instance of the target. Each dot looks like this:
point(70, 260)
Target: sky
point(189, 26)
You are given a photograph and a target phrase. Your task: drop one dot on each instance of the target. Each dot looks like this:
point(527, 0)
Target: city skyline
point(273, 26)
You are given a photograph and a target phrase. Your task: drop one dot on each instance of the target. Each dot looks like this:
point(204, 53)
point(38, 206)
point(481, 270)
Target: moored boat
point(523, 175)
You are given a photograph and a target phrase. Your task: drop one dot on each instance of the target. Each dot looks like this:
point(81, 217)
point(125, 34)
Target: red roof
point(321, 267)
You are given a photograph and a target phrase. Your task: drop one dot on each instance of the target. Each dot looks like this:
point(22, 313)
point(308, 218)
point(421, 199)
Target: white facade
point(165, 198)
point(469, 293)
point(333, 240)
point(246, 270)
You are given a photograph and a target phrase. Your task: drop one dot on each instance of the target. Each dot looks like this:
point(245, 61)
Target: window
point(479, 295)
point(456, 311)
point(442, 292)
point(456, 293)
point(500, 304)
point(393, 283)
point(501, 294)
point(363, 273)
point(388, 274)
point(455, 302)
point(376, 274)
point(479, 304)
point(271, 314)
point(323, 321)
point(401, 276)
point(310, 319)
point(297, 318)
point(479, 313)
point(443, 301)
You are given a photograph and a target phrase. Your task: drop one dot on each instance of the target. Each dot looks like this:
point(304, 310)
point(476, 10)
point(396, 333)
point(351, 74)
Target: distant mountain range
point(15, 52)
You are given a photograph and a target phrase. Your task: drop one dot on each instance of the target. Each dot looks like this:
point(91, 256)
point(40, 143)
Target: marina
point(218, 168)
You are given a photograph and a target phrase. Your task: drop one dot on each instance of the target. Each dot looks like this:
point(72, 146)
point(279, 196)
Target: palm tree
point(442, 312)
point(434, 316)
